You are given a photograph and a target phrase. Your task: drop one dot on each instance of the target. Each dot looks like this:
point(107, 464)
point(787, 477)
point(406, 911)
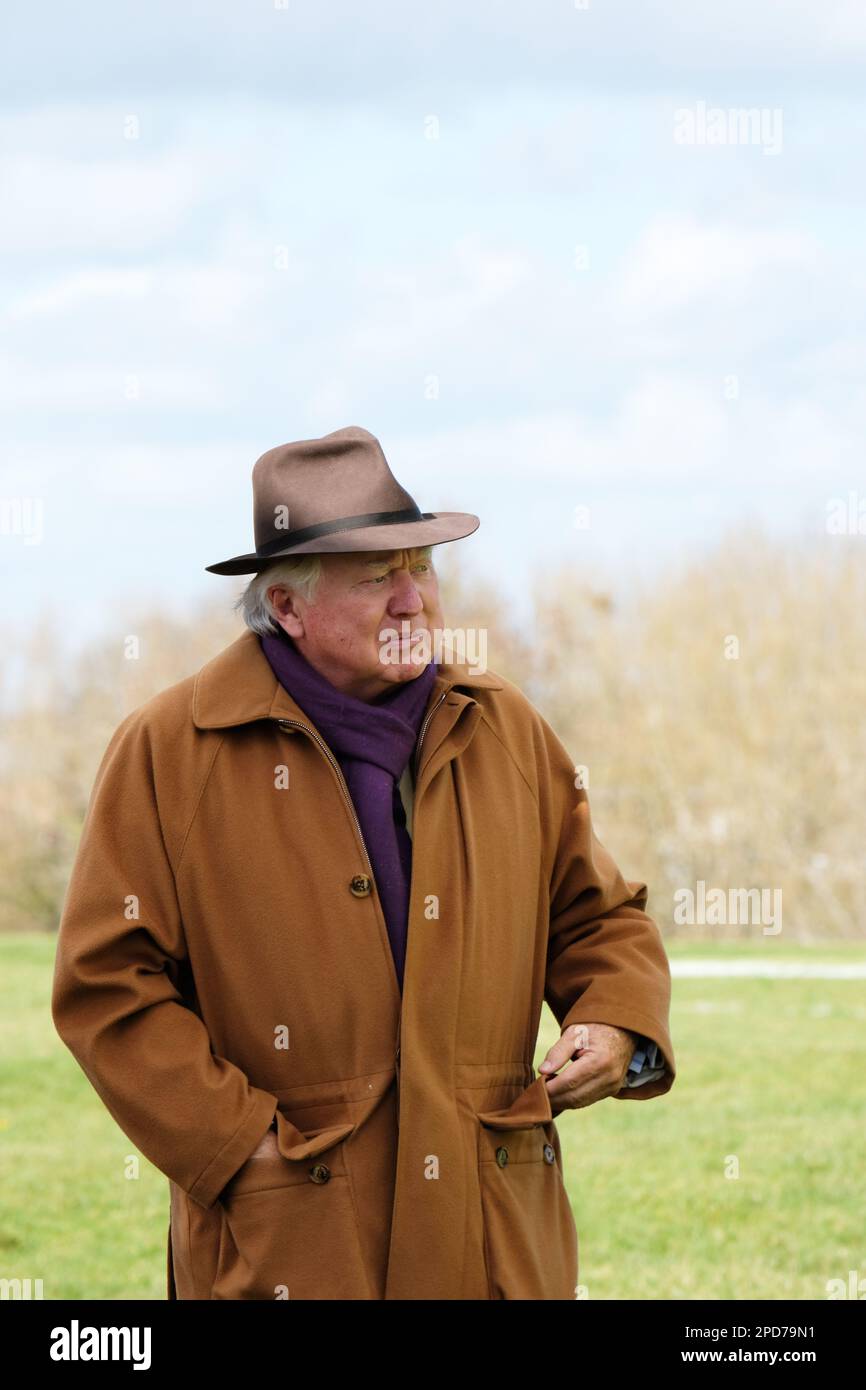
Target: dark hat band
point(341, 523)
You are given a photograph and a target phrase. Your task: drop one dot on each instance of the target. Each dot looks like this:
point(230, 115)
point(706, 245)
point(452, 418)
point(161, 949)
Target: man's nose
point(405, 597)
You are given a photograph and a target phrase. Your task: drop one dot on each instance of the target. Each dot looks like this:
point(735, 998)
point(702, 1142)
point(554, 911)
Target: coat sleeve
point(117, 999)
point(605, 960)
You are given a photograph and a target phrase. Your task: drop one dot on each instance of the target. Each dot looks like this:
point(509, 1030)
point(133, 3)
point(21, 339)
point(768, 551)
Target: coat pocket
point(530, 1239)
point(288, 1222)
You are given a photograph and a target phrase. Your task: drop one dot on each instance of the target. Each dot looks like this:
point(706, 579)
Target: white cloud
point(77, 480)
point(679, 260)
point(666, 430)
point(471, 276)
point(336, 54)
point(108, 387)
point(77, 291)
point(53, 203)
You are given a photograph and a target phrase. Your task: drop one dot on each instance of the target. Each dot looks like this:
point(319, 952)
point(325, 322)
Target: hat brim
point(404, 535)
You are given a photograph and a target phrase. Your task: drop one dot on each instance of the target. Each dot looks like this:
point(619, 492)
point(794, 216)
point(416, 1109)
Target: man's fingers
point(572, 1040)
point(577, 1085)
point(585, 1081)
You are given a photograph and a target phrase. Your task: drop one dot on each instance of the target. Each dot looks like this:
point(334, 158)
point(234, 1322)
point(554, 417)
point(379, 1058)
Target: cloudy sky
point(557, 256)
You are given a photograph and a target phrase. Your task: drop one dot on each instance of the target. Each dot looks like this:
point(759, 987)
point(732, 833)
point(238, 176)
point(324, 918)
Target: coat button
point(549, 1153)
point(361, 885)
point(320, 1173)
point(502, 1156)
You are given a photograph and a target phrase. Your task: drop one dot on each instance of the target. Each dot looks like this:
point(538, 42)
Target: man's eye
point(380, 578)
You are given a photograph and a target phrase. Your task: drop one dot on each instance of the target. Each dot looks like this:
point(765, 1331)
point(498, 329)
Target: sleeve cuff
point(207, 1188)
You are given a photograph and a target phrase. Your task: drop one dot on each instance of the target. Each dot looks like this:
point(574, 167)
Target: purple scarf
point(372, 743)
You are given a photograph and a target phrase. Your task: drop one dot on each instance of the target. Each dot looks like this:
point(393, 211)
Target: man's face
point(360, 597)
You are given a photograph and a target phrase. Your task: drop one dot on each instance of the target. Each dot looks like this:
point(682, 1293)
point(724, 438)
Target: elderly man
point(320, 896)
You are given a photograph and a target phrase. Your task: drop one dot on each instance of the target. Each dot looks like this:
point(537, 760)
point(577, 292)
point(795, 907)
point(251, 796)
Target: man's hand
point(603, 1055)
point(266, 1147)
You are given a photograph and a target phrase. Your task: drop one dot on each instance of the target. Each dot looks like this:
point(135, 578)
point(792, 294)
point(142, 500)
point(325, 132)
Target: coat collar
point(238, 686)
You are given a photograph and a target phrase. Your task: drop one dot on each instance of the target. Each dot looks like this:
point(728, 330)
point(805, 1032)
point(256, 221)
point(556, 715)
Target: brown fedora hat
point(336, 493)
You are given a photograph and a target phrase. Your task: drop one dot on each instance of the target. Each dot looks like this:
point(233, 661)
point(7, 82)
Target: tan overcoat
point(223, 961)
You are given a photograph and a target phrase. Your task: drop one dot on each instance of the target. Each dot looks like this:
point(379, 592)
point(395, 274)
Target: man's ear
point(285, 609)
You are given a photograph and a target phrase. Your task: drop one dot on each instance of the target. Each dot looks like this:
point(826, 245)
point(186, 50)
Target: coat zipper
point(427, 719)
point(297, 724)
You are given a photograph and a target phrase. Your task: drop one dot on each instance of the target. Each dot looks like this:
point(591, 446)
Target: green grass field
point(769, 1072)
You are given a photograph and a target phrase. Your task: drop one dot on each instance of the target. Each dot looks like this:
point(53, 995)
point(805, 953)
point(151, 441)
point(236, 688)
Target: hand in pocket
point(267, 1145)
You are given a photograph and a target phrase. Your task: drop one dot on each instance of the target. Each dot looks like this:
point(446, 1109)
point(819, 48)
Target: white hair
point(299, 572)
